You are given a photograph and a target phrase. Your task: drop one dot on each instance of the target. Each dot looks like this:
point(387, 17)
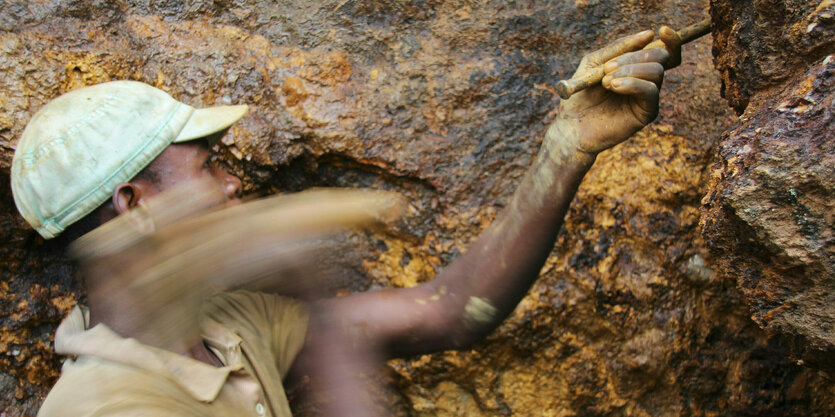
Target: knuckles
point(659, 55)
point(651, 70)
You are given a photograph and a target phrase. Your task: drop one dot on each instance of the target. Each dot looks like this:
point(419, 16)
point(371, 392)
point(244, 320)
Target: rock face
point(769, 214)
point(446, 102)
point(760, 45)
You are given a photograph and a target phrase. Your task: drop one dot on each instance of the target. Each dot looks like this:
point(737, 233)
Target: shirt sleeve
point(273, 322)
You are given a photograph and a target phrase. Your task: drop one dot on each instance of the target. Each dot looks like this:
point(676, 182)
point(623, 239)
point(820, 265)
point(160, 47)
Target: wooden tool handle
point(567, 88)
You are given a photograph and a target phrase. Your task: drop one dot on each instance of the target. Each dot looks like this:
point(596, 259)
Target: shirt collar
point(202, 381)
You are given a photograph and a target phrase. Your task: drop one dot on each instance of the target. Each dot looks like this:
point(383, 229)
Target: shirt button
point(259, 408)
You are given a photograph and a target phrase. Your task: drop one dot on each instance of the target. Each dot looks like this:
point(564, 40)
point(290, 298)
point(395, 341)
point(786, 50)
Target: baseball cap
point(79, 146)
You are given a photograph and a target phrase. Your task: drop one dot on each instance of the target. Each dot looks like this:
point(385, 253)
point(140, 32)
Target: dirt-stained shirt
point(256, 336)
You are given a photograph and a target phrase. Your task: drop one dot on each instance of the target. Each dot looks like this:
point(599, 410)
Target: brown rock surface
point(762, 44)
point(446, 102)
point(769, 215)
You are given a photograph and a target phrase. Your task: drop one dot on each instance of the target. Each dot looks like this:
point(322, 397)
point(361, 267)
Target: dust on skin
point(558, 149)
point(478, 310)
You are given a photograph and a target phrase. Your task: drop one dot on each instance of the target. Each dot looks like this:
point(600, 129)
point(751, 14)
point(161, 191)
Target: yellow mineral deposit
point(402, 264)
point(576, 344)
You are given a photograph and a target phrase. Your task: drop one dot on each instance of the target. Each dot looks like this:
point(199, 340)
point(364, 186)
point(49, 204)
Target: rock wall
point(446, 102)
point(769, 214)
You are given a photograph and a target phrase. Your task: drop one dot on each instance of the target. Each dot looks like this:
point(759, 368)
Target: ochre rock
point(769, 215)
point(446, 102)
point(760, 45)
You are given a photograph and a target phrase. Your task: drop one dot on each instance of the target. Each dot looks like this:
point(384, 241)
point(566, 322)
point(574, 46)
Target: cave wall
point(446, 102)
point(769, 214)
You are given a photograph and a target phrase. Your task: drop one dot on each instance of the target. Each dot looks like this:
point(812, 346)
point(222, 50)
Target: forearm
point(478, 290)
point(472, 296)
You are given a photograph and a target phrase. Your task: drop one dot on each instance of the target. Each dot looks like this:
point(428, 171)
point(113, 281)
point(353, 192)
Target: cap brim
point(208, 121)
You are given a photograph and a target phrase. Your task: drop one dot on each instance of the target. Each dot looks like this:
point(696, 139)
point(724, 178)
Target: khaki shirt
point(256, 336)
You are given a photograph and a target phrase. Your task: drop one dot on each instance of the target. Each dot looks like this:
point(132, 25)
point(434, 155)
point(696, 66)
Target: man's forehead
point(179, 153)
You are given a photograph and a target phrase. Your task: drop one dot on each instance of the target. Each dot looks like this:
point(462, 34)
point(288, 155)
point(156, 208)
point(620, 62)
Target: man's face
point(189, 161)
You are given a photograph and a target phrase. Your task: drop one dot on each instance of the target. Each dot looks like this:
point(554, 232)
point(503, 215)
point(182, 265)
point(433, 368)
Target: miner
point(97, 152)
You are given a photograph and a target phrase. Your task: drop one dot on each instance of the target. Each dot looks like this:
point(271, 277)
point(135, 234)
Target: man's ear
point(125, 197)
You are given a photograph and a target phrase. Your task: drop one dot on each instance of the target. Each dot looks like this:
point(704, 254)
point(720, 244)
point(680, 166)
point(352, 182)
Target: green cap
point(78, 147)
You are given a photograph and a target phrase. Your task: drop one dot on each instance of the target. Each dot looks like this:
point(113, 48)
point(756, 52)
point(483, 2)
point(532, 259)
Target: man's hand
point(602, 116)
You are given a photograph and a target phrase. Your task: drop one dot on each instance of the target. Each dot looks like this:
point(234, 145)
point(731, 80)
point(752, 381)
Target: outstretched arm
point(469, 298)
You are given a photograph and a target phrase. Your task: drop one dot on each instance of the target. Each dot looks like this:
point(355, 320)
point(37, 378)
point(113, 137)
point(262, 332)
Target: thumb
point(672, 41)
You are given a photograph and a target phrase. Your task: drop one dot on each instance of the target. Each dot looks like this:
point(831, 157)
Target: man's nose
point(232, 186)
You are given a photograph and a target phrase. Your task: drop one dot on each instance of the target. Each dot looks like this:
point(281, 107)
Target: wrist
point(562, 143)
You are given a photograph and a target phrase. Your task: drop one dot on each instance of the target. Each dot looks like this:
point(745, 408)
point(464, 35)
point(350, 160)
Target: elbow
point(453, 323)
point(479, 318)
point(466, 338)
point(442, 339)
point(472, 325)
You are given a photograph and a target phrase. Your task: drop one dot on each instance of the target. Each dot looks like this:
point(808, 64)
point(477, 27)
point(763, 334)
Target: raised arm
point(469, 298)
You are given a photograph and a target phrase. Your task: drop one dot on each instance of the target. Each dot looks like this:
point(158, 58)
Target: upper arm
point(289, 323)
point(404, 321)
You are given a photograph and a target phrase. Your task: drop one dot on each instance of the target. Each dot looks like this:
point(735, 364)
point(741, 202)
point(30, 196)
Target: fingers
point(619, 47)
point(658, 55)
point(670, 37)
point(646, 108)
point(649, 71)
point(672, 41)
point(634, 87)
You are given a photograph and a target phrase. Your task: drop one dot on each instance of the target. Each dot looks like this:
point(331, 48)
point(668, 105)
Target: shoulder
point(274, 325)
point(255, 309)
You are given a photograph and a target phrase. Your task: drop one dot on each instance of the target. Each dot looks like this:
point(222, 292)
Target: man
point(98, 152)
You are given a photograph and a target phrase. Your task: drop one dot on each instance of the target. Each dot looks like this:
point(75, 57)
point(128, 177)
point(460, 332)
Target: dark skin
point(473, 295)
